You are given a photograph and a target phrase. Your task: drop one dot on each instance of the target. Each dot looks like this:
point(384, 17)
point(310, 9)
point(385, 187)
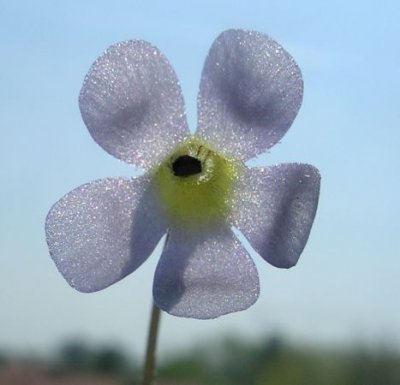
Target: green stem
point(150, 362)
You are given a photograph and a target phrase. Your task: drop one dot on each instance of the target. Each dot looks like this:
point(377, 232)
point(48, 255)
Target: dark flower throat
point(186, 165)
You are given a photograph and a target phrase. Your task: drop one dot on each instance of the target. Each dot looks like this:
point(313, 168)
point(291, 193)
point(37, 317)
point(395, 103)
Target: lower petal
point(102, 231)
point(204, 275)
point(276, 210)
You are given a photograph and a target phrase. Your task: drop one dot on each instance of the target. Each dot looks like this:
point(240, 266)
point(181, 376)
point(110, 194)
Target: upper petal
point(276, 210)
point(250, 92)
point(204, 275)
point(131, 103)
point(102, 231)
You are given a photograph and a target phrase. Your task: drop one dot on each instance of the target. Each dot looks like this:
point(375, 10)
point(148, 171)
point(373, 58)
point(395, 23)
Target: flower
point(195, 188)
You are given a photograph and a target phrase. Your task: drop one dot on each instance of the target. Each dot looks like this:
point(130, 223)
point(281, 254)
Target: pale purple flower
point(195, 189)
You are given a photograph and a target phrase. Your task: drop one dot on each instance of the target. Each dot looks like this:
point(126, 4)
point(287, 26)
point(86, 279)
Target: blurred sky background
point(345, 287)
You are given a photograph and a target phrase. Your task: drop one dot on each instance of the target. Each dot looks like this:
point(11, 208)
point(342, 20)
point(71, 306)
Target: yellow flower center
point(196, 185)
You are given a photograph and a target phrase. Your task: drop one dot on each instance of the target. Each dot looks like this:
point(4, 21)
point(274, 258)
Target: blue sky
point(345, 287)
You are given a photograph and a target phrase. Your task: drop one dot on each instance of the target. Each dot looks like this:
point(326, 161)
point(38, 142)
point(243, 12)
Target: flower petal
point(131, 103)
point(250, 92)
point(276, 210)
point(204, 275)
point(102, 231)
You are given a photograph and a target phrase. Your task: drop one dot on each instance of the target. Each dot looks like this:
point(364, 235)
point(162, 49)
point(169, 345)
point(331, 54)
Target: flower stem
point(150, 362)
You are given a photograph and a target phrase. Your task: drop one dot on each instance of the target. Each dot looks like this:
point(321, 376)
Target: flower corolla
point(195, 188)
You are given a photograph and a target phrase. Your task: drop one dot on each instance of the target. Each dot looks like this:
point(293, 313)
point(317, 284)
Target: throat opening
point(186, 165)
